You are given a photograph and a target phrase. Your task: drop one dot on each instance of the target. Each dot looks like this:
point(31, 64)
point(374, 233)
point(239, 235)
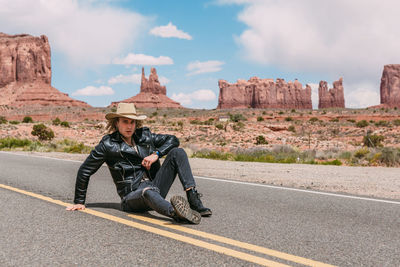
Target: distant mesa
point(152, 94)
point(25, 73)
point(332, 98)
point(264, 93)
point(390, 86)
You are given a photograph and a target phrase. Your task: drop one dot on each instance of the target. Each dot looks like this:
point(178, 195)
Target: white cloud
point(361, 95)
point(349, 39)
point(199, 95)
point(141, 59)
point(94, 91)
point(135, 78)
point(170, 31)
point(198, 67)
point(85, 33)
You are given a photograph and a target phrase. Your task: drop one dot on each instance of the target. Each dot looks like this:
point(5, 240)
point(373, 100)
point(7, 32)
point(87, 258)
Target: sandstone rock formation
point(263, 93)
point(25, 73)
point(390, 85)
point(152, 94)
point(332, 98)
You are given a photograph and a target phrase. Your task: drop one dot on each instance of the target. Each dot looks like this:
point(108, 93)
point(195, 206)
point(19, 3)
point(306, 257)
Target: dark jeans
point(150, 195)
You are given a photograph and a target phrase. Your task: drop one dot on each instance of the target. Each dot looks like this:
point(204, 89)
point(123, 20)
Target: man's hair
point(112, 125)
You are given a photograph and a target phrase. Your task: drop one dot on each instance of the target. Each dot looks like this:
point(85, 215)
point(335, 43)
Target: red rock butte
point(264, 93)
point(390, 86)
point(152, 94)
point(25, 73)
point(332, 98)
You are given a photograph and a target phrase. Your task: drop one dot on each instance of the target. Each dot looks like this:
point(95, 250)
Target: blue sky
point(99, 47)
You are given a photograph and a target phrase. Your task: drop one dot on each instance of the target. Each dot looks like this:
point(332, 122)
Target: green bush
point(396, 122)
point(219, 126)
point(288, 119)
point(260, 140)
point(389, 156)
point(351, 120)
point(237, 117)
point(27, 119)
point(65, 124)
point(362, 124)
point(42, 132)
point(10, 142)
point(3, 120)
point(382, 123)
point(332, 162)
point(291, 128)
point(259, 118)
point(373, 140)
point(14, 122)
point(56, 121)
point(334, 120)
point(196, 122)
point(238, 126)
point(361, 153)
point(313, 119)
point(77, 148)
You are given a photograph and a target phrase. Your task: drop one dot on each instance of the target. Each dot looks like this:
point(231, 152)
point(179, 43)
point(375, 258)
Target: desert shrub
point(396, 122)
point(56, 121)
point(10, 142)
point(361, 153)
point(219, 126)
point(373, 140)
point(332, 162)
point(27, 119)
point(210, 121)
point(293, 111)
point(212, 155)
point(345, 155)
point(238, 126)
point(362, 124)
point(334, 120)
point(288, 119)
point(291, 128)
point(180, 124)
point(65, 124)
point(389, 156)
point(3, 120)
point(77, 148)
point(237, 117)
point(14, 122)
point(195, 121)
point(280, 112)
point(313, 119)
point(260, 140)
point(259, 118)
point(382, 123)
point(264, 113)
point(42, 132)
point(351, 120)
point(155, 113)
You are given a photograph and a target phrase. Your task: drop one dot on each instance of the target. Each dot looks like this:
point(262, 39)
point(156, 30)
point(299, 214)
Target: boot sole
point(183, 210)
point(206, 213)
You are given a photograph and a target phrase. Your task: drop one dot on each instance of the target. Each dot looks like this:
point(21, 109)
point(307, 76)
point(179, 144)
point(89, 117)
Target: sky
point(99, 47)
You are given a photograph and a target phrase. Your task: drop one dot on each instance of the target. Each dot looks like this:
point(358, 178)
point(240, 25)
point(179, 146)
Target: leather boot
point(195, 203)
point(182, 211)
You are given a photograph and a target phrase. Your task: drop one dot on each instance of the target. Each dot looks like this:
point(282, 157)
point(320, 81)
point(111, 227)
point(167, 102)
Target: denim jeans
point(150, 195)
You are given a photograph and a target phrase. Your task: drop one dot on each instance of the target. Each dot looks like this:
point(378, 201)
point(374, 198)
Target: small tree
point(27, 119)
point(373, 140)
point(362, 124)
point(42, 132)
point(56, 121)
point(260, 140)
point(3, 120)
point(65, 124)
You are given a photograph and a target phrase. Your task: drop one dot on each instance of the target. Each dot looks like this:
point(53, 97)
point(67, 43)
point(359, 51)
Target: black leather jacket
point(123, 161)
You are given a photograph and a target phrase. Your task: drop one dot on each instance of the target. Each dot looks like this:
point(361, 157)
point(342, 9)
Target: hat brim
point(110, 116)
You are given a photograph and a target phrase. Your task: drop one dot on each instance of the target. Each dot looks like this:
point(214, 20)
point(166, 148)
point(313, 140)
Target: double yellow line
point(193, 241)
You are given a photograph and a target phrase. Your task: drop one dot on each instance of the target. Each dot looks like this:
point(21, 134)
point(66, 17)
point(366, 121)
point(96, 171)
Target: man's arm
point(164, 143)
point(92, 163)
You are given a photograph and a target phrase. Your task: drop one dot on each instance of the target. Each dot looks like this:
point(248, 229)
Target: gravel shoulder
point(377, 182)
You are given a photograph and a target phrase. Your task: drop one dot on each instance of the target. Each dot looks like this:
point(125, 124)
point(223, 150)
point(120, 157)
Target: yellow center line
point(192, 241)
point(232, 242)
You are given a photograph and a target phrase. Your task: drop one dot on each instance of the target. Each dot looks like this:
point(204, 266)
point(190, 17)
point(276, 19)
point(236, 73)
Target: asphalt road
point(251, 224)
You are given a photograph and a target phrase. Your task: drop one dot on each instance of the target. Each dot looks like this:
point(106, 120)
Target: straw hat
point(126, 110)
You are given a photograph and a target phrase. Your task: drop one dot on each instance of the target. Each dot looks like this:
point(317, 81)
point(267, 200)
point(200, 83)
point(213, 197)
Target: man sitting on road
point(132, 155)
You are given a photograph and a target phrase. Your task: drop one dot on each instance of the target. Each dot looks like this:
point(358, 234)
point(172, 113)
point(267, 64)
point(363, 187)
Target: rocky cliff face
point(25, 73)
point(390, 85)
point(152, 94)
point(333, 97)
point(264, 93)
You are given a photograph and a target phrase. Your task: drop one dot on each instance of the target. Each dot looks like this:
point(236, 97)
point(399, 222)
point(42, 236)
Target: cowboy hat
point(126, 110)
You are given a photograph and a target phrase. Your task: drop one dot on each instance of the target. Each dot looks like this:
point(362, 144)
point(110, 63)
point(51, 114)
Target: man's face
point(126, 127)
